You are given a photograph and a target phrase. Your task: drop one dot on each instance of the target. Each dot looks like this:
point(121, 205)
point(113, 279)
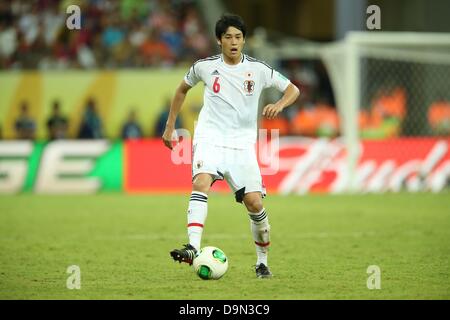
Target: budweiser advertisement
point(296, 165)
point(289, 165)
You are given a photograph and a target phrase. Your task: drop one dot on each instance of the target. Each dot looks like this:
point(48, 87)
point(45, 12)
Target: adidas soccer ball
point(210, 263)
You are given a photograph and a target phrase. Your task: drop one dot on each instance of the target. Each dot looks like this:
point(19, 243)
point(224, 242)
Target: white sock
point(197, 212)
point(259, 224)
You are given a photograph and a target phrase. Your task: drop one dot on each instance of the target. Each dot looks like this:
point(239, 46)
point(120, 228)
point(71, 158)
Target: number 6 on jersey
point(216, 85)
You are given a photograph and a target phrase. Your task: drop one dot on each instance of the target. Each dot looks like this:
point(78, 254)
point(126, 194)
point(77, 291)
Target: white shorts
point(239, 167)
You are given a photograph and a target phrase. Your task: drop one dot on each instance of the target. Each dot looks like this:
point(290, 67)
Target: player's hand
point(168, 137)
point(271, 111)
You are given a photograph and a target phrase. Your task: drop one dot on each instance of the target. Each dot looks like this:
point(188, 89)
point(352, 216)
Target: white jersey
point(230, 103)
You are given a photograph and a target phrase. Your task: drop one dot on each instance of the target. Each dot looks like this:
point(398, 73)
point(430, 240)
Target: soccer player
point(226, 132)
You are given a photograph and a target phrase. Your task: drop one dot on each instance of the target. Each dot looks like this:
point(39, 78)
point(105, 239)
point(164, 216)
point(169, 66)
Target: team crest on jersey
point(249, 86)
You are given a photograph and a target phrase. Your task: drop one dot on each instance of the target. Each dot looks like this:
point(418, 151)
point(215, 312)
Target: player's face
point(232, 42)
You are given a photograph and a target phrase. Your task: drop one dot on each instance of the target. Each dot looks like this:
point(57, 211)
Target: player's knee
point(202, 183)
point(253, 204)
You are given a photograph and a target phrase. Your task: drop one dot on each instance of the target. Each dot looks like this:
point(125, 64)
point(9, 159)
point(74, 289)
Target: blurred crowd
point(315, 113)
point(113, 34)
point(163, 33)
point(91, 125)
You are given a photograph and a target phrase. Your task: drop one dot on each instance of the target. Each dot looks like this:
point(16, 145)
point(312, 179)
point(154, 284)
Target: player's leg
point(204, 172)
point(244, 178)
point(196, 216)
point(260, 227)
point(198, 208)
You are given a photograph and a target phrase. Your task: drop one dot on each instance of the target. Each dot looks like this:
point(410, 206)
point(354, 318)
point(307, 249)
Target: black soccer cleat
point(262, 271)
point(187, 254)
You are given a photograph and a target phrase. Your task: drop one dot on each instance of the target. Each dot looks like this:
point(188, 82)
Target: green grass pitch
point(321, 247)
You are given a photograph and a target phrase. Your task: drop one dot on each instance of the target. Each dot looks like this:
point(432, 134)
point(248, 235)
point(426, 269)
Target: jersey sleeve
point(192, 77)
point(275, 79)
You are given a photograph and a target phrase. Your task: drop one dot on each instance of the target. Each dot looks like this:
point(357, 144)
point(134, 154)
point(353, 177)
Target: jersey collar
point(232, 66)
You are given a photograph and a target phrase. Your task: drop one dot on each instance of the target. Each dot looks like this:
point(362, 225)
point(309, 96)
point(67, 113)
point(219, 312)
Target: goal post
point(391, 91)
point(385, 85)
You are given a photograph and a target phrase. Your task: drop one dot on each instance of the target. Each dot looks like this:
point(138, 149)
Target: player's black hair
point(229, 20)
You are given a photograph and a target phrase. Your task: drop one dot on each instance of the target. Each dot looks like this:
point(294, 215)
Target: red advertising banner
point(148, 168)
point(301, 165)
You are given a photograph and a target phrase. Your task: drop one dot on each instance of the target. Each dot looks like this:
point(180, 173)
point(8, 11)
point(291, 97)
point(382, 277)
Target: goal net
point(393, 87)
point(391, 97)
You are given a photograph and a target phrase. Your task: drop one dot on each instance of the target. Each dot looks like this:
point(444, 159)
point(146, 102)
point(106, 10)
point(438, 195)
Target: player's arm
point(175, 107)
point(291, 94)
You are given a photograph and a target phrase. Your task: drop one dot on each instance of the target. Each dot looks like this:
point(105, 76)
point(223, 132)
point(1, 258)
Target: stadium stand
point(114, 34)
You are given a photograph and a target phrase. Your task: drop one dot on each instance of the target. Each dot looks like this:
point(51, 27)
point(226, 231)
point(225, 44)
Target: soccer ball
point(210, 263)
